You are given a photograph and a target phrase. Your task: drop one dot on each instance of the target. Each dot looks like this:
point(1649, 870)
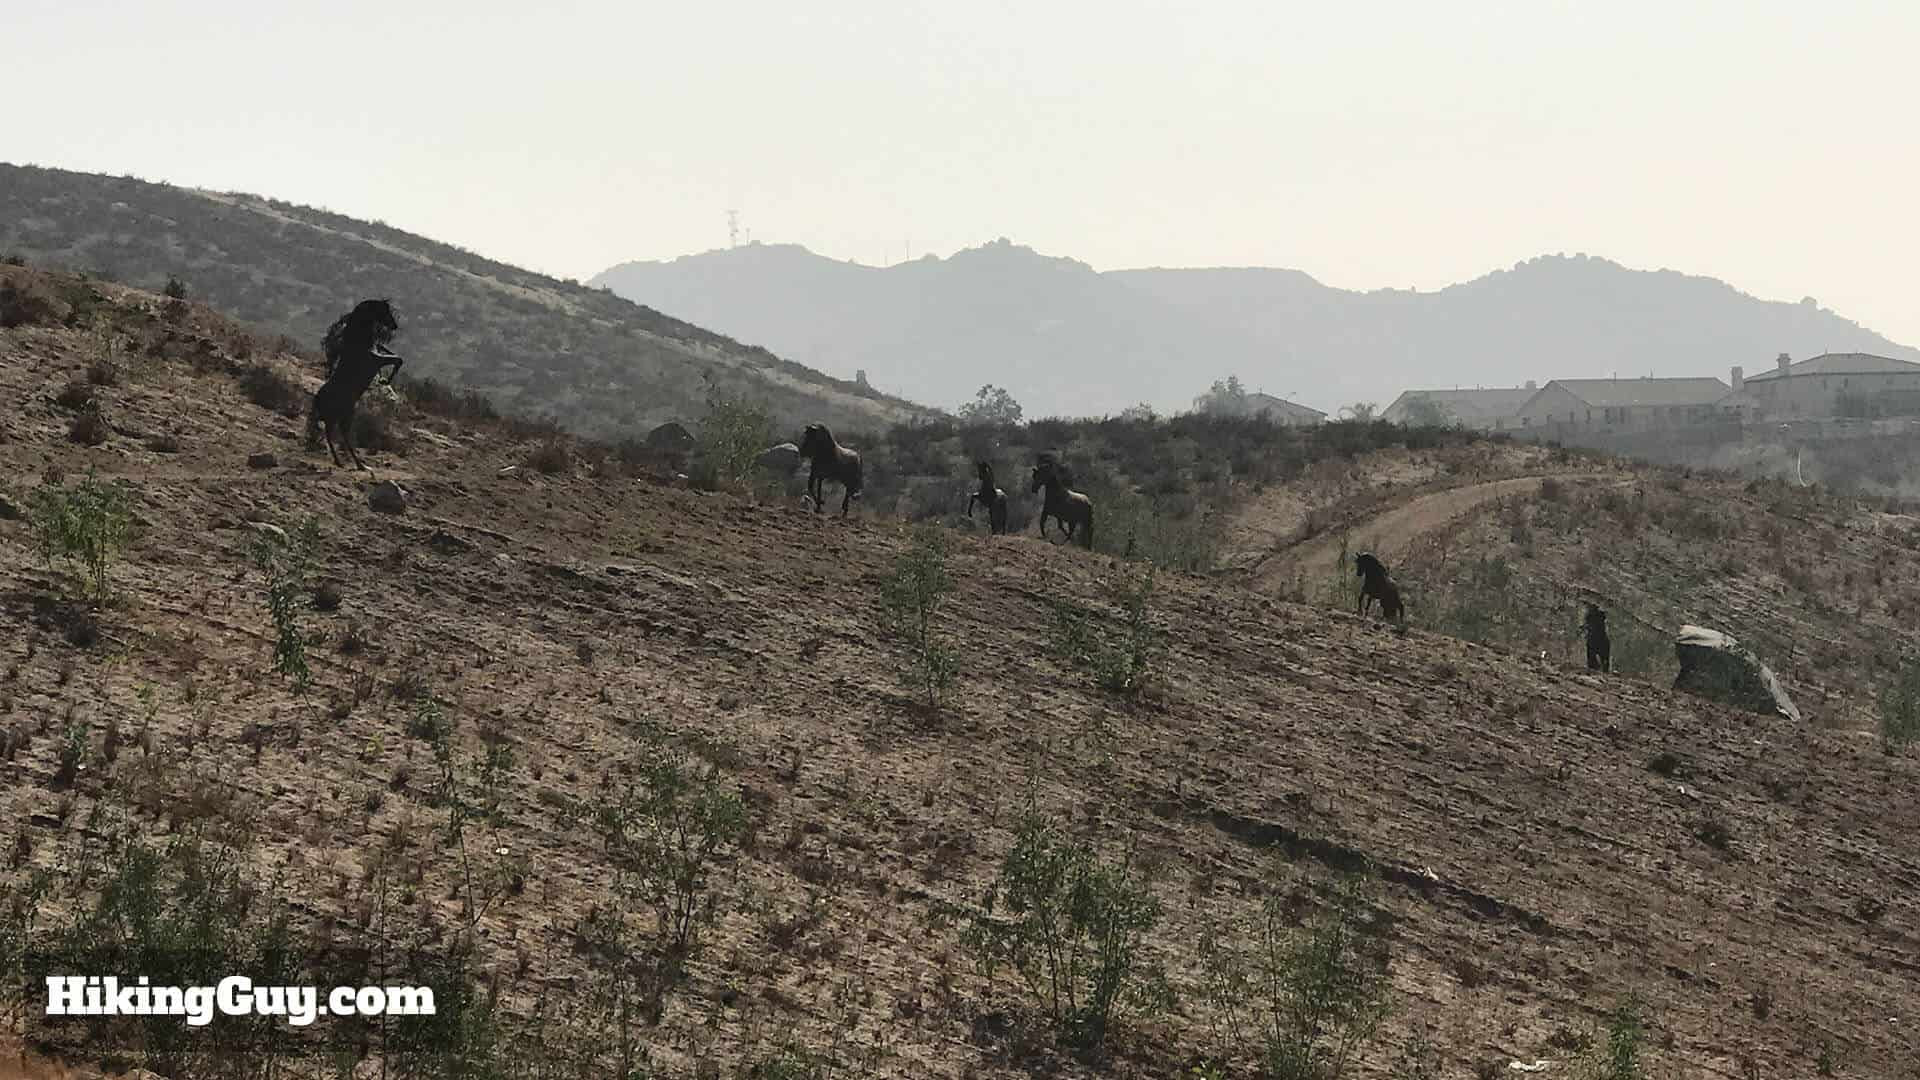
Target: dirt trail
point(1389, 534)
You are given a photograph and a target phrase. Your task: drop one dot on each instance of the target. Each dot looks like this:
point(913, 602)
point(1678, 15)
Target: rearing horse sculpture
point(994, 498)
point(829, 461)
point(1072, 509)
point(356, 348)
point(1375, 585)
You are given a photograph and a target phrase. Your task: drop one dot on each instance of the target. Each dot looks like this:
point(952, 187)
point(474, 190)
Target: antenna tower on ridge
point(733, 228)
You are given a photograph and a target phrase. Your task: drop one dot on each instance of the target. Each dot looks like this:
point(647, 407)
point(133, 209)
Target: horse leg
point(326, 432)
point(846, 500)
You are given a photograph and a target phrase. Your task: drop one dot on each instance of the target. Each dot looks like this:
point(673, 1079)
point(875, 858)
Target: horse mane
point(370, 323)
point(1051, 462)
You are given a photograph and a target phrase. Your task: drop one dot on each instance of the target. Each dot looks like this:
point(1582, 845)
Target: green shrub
point(665, 835)
point(86, 526)
point(267, 388)
point(288, 561)
point(1309, 997)
point(1615, 1053)
point(1900, 710)
point(1121, 662)
point(732, 436)
point(913, 595)
point(1074, 927)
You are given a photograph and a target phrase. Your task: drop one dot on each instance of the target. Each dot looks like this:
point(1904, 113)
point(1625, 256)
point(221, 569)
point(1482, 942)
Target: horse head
point(815, 440)
point(986, 474)
point(375, 319)
point(1366, 565)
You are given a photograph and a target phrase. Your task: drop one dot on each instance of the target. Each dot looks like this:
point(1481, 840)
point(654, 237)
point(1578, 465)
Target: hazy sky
point(1385, 144)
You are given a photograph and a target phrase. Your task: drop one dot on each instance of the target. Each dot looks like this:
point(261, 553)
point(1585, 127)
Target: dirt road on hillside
point(1389, 534)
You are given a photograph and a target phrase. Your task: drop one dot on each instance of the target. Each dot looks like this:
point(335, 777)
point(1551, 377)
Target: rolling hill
point(535, 345)
point(1067, 340)
point(532, 693)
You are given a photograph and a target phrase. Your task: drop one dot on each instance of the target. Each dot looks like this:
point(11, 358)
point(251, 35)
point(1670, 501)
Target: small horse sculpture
point(994, 498)
point(829, 461)
point(1073, 510)
point(1376, 585)
point(356, 348)
point(1599, 646)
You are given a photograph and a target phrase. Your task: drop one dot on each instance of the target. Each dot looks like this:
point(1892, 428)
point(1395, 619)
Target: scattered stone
point(448, 544)
point(782, 458)
point(262, 460)
point(9, 511)
point(387, 497)
point(274, 531)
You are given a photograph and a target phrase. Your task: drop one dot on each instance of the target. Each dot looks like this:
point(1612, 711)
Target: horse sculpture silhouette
point(1599, 646)
point(994, 498)
point(1073, 510)
point(1376, 585)
point(356, 348)
point(829, 461)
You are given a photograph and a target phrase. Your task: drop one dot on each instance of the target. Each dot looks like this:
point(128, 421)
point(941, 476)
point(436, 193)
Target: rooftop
point(1626, 393)
point(1470, 405)
point(1850, 363)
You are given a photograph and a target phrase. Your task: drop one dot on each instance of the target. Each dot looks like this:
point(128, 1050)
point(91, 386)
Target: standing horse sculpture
point(994, 498)
point(356, 348)
point(1376, 585)
point(1599, 646)
point(829, 461)
point(1073, 510)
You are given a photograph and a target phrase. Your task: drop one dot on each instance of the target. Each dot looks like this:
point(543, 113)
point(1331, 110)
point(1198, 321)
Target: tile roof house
point(1481, 409)
point(1623, 403)
point(1824, 386)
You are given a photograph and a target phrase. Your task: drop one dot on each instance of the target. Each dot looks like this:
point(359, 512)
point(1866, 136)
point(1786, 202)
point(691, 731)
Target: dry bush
point(271, 390)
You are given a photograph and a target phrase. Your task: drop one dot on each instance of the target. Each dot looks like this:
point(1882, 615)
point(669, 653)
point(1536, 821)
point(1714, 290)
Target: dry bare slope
point(1527, 867)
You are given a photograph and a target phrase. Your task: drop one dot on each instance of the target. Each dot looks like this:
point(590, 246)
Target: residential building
point(1623, 404)
point(1828, 385)
point(1479, 409)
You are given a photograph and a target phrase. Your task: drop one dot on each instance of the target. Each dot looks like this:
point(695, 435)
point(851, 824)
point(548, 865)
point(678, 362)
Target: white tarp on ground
point(1714, 665)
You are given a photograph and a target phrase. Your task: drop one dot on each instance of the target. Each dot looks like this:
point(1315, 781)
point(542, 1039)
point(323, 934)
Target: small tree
point(913, 596)
point(287, 562)
point(1360, 412)
point(1423, 411)
point(992, 405)
point(1074, 927)
point(1123, 662)
point(1227, 398)
point(665, 835)
point(85, 526)
point(1311, 996)
point(732, 435)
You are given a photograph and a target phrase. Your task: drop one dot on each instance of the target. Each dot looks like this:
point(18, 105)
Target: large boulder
point(387, 497)
point(672, 438)
point(1713, 665)
point(784, 458)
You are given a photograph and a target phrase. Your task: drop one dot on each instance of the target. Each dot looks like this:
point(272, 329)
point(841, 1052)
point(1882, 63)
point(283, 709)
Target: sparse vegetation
point(1900, 710)
point(733, 433)
point(287, 560)
point(1309, 997)
point(1122, 662)
point(84, 526)
point(1073, 926)
point(913, 595)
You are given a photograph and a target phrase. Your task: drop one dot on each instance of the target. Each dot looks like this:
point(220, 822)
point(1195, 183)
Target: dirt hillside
point(1538, 842)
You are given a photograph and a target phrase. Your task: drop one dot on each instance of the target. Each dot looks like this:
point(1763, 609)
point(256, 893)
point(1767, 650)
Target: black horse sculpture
point(829, 460)
point(1070, 508)
point(356, 348)
point(1376, 585)
point(994, 498)
point(1599, 646)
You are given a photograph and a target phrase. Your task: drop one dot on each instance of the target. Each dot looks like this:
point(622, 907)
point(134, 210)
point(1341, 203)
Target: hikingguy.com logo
point(235, 995)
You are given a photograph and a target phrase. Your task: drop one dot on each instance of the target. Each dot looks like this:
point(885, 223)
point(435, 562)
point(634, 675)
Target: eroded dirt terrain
point(1532, 867)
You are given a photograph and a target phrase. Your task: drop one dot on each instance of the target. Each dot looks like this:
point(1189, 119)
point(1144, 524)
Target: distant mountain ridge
point(1066, 339)
point(600, 364)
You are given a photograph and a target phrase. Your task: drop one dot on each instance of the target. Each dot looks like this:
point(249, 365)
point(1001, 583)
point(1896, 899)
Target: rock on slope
point(1532, 867)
